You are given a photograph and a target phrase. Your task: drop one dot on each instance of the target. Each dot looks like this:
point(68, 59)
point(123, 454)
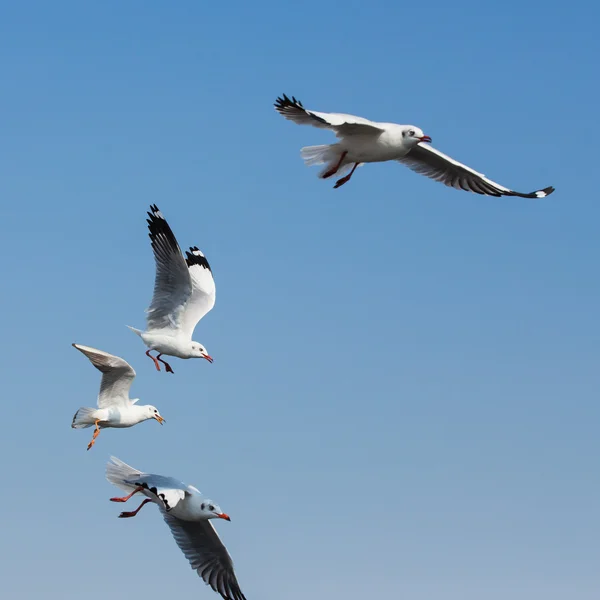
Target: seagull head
point(413, 135)
point(210, 510)
point(199, 351)
point(154, 414)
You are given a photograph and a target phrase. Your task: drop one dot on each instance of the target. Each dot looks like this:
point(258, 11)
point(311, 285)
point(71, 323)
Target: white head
point(210, 510)
point(199, 351)
point(152, 413)
point(412, 135)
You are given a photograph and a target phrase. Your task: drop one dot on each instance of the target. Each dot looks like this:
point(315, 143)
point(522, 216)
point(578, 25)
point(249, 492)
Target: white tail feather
point(120, 474)
point(138, 331)
point(329, 155)
point(84, 417)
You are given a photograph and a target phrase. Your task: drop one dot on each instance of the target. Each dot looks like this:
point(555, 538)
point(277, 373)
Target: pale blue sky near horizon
point(404, 398)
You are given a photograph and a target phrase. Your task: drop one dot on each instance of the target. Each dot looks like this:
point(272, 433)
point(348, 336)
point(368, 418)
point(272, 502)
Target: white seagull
point(115, 408)
point(364, 141)
point(187, 513)
point(184, 291)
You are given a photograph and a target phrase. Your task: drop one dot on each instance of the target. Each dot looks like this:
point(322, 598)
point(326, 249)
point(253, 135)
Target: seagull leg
point(126, 515)
point(139, 488)
point(167, 365)
point(334, 170)
point(346, 179)
point(96, 433)
point(155, 361)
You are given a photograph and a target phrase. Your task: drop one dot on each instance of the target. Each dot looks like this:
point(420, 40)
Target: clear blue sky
point(404, 399)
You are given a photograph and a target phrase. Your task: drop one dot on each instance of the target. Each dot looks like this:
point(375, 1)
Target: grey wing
point(199, 542)
point(343, 125)
point(434, 164)
point(172, 285)
point(117, 377)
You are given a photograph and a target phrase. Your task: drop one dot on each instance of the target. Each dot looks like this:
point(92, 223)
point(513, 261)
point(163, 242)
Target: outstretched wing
point(203, 294)
point(172, 285)
point(342, 125)
point(201, 545)
point(117, 377)
point(436, 165)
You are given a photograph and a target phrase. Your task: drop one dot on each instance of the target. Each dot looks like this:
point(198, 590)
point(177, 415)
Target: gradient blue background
point(404, 399)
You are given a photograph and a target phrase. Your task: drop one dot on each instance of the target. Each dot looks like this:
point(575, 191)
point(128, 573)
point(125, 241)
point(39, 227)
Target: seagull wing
point(432, 163)
point(164, 491)
point(117, 377)
point(201, 545)
point(342, 125)
point(172, 285)
point(167, 492)
point(203, 294)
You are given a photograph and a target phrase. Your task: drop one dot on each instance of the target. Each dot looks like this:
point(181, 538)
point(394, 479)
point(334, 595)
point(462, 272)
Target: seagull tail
point(121, 474)
point(138, 331)
point(329, 155)
point(84, 417)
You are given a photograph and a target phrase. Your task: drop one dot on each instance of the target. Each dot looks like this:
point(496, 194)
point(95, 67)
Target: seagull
point(364, 141)
point(115, 408)
point(184, 291)
point(187, 514)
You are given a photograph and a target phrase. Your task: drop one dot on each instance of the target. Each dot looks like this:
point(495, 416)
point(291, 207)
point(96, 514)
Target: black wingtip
point(194, 256)
point(546, 191)
point(283, 102)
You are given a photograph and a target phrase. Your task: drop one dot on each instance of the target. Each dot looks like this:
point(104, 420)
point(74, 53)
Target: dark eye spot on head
point(411, 132)
point(211, 507)
point(202, 506)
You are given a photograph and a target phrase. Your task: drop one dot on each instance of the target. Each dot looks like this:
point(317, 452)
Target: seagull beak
point(223, 516)
point(159, 419)
point(425, 138)
point(208, 358)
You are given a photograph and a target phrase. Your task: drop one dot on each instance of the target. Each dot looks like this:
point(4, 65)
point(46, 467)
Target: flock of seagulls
point(184, 292)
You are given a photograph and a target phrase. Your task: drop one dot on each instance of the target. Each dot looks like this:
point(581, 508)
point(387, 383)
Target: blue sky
point(404, 398)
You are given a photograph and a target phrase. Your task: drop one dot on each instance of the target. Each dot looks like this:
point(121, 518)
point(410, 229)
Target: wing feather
point(343, 125)
point(172, 284)
point(432, 163)
point(206, 553)
point(117, 377)
point(203, 294)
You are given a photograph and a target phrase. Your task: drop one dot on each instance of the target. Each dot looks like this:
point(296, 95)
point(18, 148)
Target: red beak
point(208, 358)
point(224, 516)
point(425, 138)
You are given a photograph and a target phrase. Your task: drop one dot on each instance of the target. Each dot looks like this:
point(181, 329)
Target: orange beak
point(208, 358)
point(224, 516)
point(159, 419)
point(425, 138)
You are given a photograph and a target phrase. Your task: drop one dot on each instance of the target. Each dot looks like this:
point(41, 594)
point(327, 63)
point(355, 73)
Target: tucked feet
point(154, 359)
point(167, 365)
point(96, 433)
point(125, 498)
point(127, 515)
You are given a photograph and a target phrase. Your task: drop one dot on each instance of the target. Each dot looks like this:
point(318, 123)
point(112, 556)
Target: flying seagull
point(115, 408)
point(184, 291)
point(187, 512)
point(364, 141)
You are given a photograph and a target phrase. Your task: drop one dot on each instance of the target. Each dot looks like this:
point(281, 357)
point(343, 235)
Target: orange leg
point(334, 170)
point(126, 515)
point(167, 365)
point(344, 180)
point(139, 488)
point(155, 361)
point(96, 433)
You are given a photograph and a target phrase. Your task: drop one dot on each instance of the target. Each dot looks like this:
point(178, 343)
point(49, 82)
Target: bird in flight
point(187, 513)
point(364, 141)
point(115, 408)
point(184, 291)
